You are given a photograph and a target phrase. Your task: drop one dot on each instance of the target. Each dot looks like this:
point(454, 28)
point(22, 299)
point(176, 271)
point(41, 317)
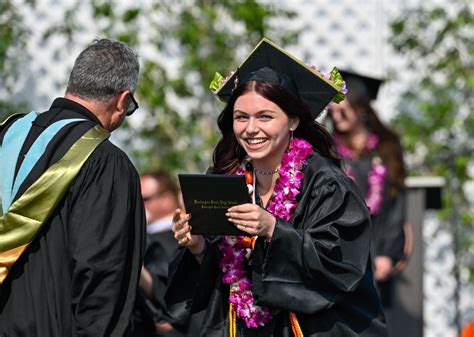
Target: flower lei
point(376, 175)
point(235, 249)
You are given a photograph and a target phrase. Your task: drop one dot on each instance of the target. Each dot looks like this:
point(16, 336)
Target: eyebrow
point(258, 112)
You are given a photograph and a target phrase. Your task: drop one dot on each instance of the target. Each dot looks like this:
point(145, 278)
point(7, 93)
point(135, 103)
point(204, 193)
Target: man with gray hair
point(72, 221)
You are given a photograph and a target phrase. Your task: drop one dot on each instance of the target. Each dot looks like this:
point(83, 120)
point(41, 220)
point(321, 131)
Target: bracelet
point(202, 252)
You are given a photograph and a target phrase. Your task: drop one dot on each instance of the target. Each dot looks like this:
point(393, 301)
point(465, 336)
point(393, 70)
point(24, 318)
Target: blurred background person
point(373, 158)
point(161, 196)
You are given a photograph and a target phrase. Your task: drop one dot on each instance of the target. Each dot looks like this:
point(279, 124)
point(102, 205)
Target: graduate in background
point(373, 158)
point(72, 227)
point(304, 269)
point(161, 197)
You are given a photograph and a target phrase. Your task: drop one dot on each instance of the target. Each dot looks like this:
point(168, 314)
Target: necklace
point(266, 173)
point(235, 250)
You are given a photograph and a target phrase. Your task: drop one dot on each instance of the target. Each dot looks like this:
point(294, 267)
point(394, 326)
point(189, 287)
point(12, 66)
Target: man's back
point(79, 274)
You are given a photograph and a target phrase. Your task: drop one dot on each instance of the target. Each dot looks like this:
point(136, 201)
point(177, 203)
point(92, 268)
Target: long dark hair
point(389, 147)
point(228, 153)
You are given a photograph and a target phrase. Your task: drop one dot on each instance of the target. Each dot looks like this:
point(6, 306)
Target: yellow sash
point(28, 213)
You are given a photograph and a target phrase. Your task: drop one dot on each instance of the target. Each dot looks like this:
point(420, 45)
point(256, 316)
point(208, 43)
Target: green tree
point(182, 45)
point(13, 35)
point(437, 117)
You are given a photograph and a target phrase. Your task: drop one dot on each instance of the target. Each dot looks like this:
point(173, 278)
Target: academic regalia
point(160, 248)
point(164, 246)
point(160, 235)
point(159, 252)
point(79, 275)
point(387, 229)
point(317, 265)
point(388, 238)
point(147, 310)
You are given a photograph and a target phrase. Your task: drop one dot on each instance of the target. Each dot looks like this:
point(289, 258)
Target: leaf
point(131, 15)
point(398, 27)
point(216, 82)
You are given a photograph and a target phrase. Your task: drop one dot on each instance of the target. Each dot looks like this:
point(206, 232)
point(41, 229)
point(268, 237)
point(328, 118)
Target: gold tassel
point(295, 325)
point(232, 320)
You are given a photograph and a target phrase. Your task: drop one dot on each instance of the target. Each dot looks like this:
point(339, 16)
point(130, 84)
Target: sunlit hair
point(389, 147)
point(103, 70)
point(228, 153)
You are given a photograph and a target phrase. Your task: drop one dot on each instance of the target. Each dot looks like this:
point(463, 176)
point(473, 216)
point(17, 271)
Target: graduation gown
point(387, 231)
point(148, 311)
point(79, 275)
point(317, 265)
point(388, 236)
point(159, 251)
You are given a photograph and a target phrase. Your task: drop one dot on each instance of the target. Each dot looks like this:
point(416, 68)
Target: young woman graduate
point(373, 158)
point(306, 271)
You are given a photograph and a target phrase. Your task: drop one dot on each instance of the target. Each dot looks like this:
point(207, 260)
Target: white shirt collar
point(160, 225)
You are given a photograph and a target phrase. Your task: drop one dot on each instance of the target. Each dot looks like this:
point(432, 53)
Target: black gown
point(388, 237)
point(387, 230)
point(79, 275)
point(148, 311)
point(316, 265)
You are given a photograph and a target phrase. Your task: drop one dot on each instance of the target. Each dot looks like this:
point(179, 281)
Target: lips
point(255, 143)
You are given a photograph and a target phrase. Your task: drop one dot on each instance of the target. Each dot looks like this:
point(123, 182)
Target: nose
point(252, 126)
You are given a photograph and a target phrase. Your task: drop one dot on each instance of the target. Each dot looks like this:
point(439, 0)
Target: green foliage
point(7, 109)
point(11, 31)
point(437, 119)
point(12, 40)
point(186, 43)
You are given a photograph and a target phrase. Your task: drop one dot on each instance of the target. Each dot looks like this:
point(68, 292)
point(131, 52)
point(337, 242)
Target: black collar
point(62, 103)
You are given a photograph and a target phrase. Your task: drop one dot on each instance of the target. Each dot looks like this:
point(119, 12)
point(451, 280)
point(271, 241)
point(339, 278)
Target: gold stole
point(25, 217)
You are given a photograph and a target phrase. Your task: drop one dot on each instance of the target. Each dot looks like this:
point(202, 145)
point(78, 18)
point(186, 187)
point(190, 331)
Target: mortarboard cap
point(360, 84)
point(270, 63)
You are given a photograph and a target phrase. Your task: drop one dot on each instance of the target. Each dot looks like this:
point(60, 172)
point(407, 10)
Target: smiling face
point(262, 128)
point(344, 117)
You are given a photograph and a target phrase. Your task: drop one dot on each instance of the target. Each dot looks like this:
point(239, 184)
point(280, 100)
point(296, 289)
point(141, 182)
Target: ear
point(294, 123)
point(121, 103)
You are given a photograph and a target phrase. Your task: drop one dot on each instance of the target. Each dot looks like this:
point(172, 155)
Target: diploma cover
point(207, 198)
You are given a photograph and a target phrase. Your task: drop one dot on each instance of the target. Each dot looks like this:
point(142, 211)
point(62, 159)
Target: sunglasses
point(132, 107)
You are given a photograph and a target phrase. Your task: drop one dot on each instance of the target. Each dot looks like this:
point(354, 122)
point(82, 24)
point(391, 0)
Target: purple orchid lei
point(376, 175)
point(235, 256)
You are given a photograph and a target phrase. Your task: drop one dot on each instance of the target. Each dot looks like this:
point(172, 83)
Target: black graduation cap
point(360, 84)
point(270, 63)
